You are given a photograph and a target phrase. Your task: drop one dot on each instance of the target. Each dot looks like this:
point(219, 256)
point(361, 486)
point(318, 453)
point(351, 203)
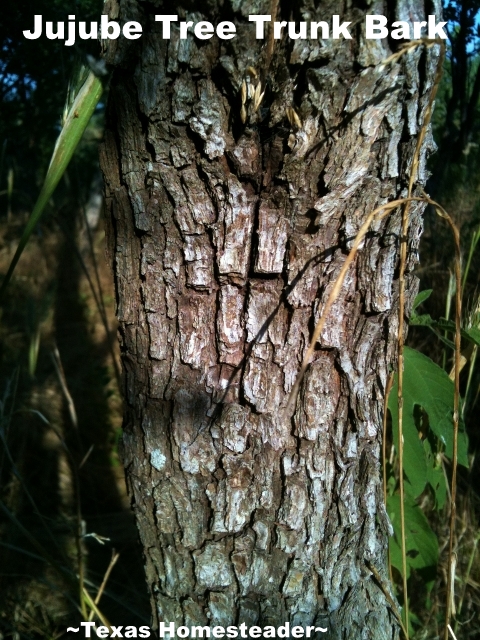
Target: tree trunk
point(227, 229)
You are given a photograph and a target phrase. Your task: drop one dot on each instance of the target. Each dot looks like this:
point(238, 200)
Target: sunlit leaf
point(428, 386)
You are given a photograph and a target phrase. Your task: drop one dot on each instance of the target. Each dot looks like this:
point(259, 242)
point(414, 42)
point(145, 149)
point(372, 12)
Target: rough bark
point(226, 238)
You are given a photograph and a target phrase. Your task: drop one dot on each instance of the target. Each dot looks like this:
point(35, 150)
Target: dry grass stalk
point(115, 557)
point(401, 304)
point(456, 408)
point(388, 596)
point(379, 213)
point(271, 41)
point(57, 363)
point(449, 628)
point(388, 388)
point(87, 600)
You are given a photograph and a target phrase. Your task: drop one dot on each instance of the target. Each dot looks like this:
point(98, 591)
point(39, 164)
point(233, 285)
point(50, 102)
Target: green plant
point(428, 403)
point(428, 442)
point(76, 119)
point(427, 438)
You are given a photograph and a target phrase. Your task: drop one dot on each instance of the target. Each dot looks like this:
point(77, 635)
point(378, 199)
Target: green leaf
point(424, 320)
point(435, 475)
point(421, 297)
point(72, 131)
point(420, 541)
point(473, 334)
point(425, 385)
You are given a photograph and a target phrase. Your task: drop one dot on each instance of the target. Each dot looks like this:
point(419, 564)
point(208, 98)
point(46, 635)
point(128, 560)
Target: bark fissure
point(227, 238)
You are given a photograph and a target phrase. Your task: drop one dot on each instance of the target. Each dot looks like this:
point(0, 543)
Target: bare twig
point(115, 557)
point(401, 308)
point(387, 595)
point(63, 384)
point(388, 388)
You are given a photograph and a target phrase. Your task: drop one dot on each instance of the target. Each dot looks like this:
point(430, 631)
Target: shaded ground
point(51, 305)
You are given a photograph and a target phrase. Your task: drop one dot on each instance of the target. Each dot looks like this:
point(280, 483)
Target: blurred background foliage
point(63, 503)
point(61, 480)
point(34, 76)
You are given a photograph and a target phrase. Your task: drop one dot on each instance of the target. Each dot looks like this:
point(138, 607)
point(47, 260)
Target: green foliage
point(72, 131)
point(427, 433)
point(472, 334)
point(421, 297)
point(34, 76)
point(421, 542)
point(428, 405)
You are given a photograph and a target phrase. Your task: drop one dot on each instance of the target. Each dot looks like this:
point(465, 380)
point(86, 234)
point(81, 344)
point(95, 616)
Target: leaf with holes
point(427, 392)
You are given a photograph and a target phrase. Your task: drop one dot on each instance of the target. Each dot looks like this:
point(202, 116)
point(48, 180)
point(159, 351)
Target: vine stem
point(401, 314)
point(456, 412)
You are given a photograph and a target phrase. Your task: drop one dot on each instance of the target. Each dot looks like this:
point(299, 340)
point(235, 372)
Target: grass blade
point(75, 124)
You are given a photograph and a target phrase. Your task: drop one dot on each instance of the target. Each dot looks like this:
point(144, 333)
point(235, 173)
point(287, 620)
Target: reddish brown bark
point(226, 239)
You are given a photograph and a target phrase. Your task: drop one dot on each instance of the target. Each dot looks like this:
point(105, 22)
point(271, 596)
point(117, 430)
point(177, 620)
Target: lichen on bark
point(226, 238)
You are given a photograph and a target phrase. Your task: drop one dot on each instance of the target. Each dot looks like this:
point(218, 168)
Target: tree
point(237, 174)
point(463, 95)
